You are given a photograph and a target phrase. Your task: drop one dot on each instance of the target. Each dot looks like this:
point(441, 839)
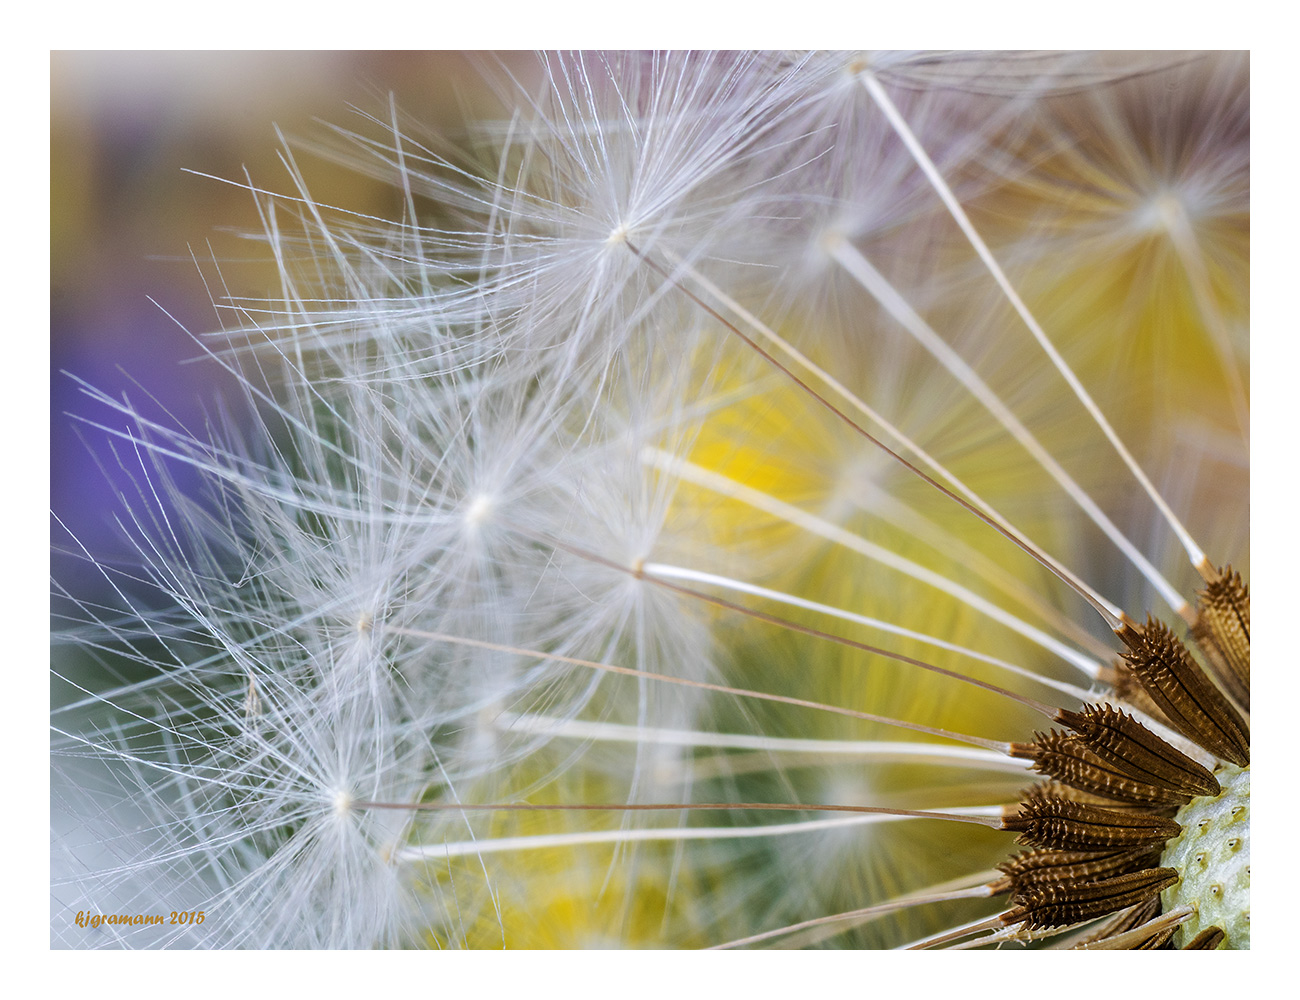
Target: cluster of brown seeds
point(1098, 827)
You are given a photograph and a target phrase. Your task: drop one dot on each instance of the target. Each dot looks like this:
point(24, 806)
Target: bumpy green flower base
point(1213, 857)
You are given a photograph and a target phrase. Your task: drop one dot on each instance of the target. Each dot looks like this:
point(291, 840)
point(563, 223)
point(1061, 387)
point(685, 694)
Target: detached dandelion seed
point(728, 476)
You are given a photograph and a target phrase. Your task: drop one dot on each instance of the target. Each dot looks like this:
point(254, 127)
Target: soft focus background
point(126, 217)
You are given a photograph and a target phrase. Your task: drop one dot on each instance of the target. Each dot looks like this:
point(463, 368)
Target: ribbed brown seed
point(1128, 929)
point(1158, 940)
point(1056, 903)
point(1060, 790)
point(1134, 918)
point(1032, 867)
point(1125, 743)
point(1067, 757)
point(1129, 690)
point(1207, 940)
point(1222, 630)
point(1056, 824)
point(1177, 684)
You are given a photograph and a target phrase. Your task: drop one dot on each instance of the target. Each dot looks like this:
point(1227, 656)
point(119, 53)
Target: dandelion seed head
point(572, 493)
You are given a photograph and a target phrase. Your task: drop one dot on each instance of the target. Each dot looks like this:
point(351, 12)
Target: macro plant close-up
point(756, 500)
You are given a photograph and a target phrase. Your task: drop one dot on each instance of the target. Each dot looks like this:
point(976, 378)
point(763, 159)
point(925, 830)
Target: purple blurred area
point(127, 222)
